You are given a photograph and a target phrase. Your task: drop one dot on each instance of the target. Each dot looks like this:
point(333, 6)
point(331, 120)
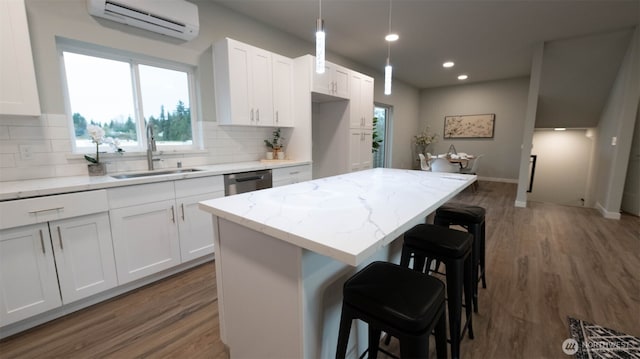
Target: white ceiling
point(488, 40)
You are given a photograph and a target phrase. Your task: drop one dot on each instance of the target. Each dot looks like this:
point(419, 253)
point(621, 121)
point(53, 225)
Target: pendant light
point(320, 41)
point(388, 69)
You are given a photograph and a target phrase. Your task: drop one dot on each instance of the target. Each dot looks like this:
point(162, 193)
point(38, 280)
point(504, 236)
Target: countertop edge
point(14, 190)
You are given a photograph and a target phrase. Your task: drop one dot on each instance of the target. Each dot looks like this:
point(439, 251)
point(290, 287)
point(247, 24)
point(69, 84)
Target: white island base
point(278, 300)
point(283, 254)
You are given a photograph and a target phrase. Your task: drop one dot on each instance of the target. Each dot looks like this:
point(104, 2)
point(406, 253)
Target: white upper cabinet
point(18, 87)
point(243, 84)
point(361, 105)
point(282, 90)
point(254, 87)
point(333, 82)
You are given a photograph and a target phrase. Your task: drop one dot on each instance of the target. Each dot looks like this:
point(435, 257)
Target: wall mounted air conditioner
point(176, 18)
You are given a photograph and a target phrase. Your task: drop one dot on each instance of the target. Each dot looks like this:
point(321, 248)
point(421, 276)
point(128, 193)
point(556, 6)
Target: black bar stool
point(406, 304)
point(472, 219)
point(426, 243)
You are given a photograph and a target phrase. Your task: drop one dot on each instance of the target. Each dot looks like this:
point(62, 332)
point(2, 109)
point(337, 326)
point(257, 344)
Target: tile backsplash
point(40, 147)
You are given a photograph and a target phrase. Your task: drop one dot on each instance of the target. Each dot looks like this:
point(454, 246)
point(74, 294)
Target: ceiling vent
point(175, 18)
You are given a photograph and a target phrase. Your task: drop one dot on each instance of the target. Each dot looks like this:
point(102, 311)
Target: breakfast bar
point(282, 254)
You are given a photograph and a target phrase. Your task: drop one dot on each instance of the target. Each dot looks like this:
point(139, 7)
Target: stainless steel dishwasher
point(242, 182)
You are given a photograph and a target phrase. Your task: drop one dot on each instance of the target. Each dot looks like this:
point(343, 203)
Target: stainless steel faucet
point(151, 146)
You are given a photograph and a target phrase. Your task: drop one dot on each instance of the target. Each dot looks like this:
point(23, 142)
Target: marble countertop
point(49, 186)
point(346, 217)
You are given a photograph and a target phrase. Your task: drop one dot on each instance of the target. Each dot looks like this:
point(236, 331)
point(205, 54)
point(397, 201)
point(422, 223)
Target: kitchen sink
point(154, 173)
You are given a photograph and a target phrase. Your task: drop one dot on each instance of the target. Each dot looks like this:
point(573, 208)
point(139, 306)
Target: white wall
point(507, 99)
point(617, 120)
point(563, 165)
point(50, 136)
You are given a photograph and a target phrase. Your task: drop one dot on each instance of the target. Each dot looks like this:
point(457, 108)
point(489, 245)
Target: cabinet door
point(322, 83)
point(366, 156)
point(240, 83)
point(145, 239)
point(195, 227)
point(356, 120)
point(28, 281)
point(84, 256)
point(282, 91)
point(360, 157)
point(355, 142)
point(262, 86)
point(341, 81)
point(366, 101)
point(18, 87)
point(361, 101)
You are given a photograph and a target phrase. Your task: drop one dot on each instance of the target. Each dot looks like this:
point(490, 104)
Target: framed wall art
point(469, 126)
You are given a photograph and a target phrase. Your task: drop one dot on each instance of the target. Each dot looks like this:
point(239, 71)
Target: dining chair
point(425, 162)
point(443, 165)
point(473, 170)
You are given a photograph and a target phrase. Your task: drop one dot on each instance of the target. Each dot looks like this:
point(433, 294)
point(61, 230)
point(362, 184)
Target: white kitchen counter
point(347, 217)
point(49, 186)
point(283, 254)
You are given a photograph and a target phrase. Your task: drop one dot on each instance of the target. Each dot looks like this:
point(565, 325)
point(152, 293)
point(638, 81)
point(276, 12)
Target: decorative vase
point(269, 155)
point(281, 155)
point(97, 169)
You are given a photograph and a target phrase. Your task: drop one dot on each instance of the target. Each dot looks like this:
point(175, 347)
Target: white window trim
point(133, 60)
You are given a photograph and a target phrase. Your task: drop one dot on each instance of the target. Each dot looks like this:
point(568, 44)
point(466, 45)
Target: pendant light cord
point(389, 42)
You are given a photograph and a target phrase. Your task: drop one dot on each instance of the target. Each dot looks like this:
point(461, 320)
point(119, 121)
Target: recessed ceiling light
point(448, 64)
point(392, 37)
point(462, 77)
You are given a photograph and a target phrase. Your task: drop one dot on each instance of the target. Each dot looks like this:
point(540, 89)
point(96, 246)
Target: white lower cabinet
point(145, 239)
point(80, 248)
point(289, 175)
point(360, 144)
point(158, 226)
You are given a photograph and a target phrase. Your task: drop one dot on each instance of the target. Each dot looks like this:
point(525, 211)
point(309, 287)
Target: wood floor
point(544, 263)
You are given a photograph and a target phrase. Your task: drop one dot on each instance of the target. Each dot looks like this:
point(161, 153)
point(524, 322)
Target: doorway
point(381, 136)
point(563, 166)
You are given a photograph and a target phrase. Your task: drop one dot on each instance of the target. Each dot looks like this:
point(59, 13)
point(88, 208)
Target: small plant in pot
point(96, 133)
point(275, 145)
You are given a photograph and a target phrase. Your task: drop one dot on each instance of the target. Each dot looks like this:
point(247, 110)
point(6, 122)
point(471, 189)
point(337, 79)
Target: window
point(123, 95)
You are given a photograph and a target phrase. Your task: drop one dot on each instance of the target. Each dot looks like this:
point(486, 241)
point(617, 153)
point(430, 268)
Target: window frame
point(134, 60)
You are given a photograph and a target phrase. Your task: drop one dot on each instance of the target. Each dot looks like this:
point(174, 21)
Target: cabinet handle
point(60, 239)
point(173, 214)
point(258, 115)
point(182, 209)
point(42, 242)
point(251, 115)
point(45, 210)
point(277, 119)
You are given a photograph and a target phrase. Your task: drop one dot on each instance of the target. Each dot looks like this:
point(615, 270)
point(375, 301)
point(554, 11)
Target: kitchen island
point(282, 254)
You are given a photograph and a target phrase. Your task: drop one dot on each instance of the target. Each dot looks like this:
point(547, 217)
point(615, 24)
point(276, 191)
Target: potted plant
point(424, 139)
point(96, 133)
point(275, 145)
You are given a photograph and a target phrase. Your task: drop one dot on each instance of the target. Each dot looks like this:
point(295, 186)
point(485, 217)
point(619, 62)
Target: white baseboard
point(497, 179)
point(607, 214)
point(521, 204)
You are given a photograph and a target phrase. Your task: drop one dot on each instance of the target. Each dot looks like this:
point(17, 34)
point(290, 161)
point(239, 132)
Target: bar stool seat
point(472, 218)
point(404, 303)
point(426, 243)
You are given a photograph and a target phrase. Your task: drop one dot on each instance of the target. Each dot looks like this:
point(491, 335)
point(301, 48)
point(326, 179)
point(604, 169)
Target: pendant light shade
point(320, 37)
point(388, 70)
point(387, 78)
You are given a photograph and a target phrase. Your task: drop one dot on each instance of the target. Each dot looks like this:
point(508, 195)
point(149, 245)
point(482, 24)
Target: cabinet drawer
point(197, 186)
point(146, 193)
point(302, 171)
point(43, 209)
